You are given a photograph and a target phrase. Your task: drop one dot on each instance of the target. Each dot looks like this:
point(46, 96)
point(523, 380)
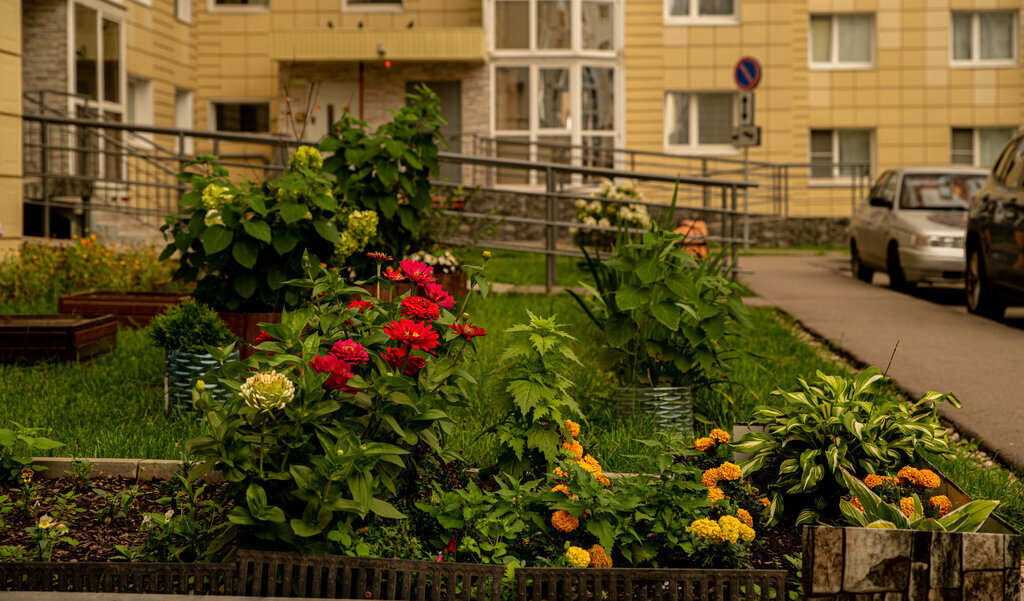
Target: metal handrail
point(170, 131)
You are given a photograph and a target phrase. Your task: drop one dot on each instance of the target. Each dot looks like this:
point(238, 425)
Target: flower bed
point(130, 308)
point(61, 337)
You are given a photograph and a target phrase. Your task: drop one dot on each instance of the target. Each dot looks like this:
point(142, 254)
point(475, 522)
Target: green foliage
point(189, 327)
point(839, 425)
point(240, 243)
point(338, 446)
point(18, 445)
point(879, 514)
point(665, 317)
point(537, 396)
point(388, 171)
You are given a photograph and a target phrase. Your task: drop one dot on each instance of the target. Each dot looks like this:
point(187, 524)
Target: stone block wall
point(793, 231)
point(874, 564)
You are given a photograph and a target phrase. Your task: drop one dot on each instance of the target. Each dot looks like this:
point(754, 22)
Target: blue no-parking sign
point(747, 73)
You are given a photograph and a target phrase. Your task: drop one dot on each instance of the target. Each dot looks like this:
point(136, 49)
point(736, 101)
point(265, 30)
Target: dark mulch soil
point(777, 542)
point(96, 538)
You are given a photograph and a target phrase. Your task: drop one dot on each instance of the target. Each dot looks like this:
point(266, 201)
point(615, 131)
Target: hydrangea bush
point(624, 212)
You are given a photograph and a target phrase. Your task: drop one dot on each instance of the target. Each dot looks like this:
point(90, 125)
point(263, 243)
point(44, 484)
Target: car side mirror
point(878, 201)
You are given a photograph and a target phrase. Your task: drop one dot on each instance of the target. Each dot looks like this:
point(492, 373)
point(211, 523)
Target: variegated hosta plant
point(836, 424)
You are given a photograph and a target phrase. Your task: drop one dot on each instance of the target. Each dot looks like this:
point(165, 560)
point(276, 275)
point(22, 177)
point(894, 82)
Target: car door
point(1004, 259)
point(876, 218)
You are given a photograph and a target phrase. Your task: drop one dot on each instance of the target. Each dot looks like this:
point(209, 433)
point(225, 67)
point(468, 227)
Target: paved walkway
point(941, 346)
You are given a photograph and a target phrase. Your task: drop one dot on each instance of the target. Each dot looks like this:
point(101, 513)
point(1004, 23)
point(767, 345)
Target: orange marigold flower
point(928, 479)
point(745, 517)
point(602, 479)
point(766, 502)
point(715, 494)
point(590, 464)
point(710, 477)
point(561, 488)
point(572, 427)
point(599, 558)
point(560, 472)
point(575, 449)
point(703, 444)
point(856, 503)
point(907, 506)
point(720, 435)
point(873, 480)
point(907, 475)
point(942, 503)
point(730, 471)
point(563, 521)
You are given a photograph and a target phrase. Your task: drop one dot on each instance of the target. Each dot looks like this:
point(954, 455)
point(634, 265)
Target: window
point(240, 6)
point(139, 110)
point(980, 146)
point(701, 12)
point(840, 153)
point(251, 117)
point(1010, 171)
point(560, 26)
point(371, 5)
point(183, 10)
point(184, 111)
point(699, 120)
point(841, 41)
point(984, 38)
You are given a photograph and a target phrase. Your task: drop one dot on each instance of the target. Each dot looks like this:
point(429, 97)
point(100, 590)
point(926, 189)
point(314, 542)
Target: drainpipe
point(361, 69)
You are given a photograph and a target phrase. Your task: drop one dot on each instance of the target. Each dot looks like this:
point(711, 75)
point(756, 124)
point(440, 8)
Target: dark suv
point(995, 237)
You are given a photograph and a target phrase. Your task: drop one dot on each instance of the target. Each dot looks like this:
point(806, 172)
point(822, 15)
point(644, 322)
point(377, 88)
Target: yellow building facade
point(879, 83)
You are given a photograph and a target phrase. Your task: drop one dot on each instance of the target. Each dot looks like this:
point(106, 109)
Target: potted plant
point(664, 316)
point(186, 331)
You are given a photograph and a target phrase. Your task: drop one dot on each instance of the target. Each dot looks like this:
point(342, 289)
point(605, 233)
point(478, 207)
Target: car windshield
point(940, 191)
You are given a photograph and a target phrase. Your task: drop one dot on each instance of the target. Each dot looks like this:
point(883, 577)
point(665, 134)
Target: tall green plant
point(190, 327)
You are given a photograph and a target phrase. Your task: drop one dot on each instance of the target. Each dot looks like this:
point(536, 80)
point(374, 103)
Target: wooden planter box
point(61, 337)
point(131, 308)
point(626, 584)
point(246, 326)
point(454, 284)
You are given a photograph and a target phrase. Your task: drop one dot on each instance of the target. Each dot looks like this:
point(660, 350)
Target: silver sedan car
point(912, 225)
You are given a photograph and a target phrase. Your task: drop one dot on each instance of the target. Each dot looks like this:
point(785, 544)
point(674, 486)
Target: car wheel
point(980, 299)
point(865, 274)
point(897, 279)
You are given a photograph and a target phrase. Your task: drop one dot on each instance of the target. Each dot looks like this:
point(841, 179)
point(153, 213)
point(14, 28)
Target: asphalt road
point(941, 346)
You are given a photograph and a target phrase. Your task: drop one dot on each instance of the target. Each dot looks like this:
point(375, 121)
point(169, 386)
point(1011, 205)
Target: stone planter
point(575, 584)
point(130, 308)
point(182, 371)
point(672, 407)
point(906, 565)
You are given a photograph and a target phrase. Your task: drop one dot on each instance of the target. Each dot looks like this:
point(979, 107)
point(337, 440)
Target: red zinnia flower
point(362, 305)
point(395, 357)
point(437, 294)
point(263, 337)
point(419, 272)
point(380, 256)
point(418, 335)
point(339, 370)
point(468, 330)
point(393, 275)
point(350, 352)
point(417, 307)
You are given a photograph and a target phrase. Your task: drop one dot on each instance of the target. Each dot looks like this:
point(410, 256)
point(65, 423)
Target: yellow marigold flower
point(856, 503)
point(730, 471)
point(907, 475)
point(873, 480)
point(703, 444)
point(907, 506)
point(928, 479)
point(730, 527)
point(578, 557)
point(715, 494)
point(745, 517)
point(562, 489)
point(942, 503)
point(766, 501)
point(575, 449)
point(572, 427)
point(747, 533)
point(720, 435)
point(599, 558)
point(710, 477)
point(706, 528)
point(560, 472)
point(563, 521)
point(590, 464)
point(602, 479)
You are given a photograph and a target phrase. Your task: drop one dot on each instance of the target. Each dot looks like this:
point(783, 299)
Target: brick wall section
point(905, 565)
point(45, 45)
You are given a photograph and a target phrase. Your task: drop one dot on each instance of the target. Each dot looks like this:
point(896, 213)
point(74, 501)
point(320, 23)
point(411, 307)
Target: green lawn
point(523, 268)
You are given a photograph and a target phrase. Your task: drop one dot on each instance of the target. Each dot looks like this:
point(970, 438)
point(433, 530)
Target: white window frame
point(976, 142)
point(183, 11)
point(391, 7)
point(148, 3)
point(145, 116)
point(694, 115)
point(837, 178)
point(576, 35)
point(211, 112)
point(184, 118)
point(976, 61)
point(213, 7)
point(833, 63)
point(687, 20)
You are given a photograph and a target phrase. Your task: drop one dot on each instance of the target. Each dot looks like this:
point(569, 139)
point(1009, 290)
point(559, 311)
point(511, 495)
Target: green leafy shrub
point(838, 425)
point(348, 403)
point(241, 243)
point(537, 397)
point(189, 327)
point(18, 445)
point(388, 171)
point(876, 512)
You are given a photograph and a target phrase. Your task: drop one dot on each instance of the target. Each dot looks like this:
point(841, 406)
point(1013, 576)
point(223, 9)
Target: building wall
point(911, 98)
point(10, 124)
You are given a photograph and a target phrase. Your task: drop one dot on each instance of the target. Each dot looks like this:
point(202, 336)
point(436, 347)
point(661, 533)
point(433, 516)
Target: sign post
point(747, 75)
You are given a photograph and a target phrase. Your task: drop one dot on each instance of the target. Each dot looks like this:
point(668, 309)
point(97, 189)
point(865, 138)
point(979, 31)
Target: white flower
point(268, 390)
point(147, 520)
point(588, 220)
point(168, 514)
point(604, 222)
point(580, 204)
point(45, 522)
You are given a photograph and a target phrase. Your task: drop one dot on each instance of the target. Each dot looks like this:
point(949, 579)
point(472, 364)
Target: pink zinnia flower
point(391, 274)
point(417, 307)
point(263, 337)
point(379, 256)
point(437, 294)
point(395, 357)
point(339, 370)
point(468, 330)
point(419, 272)
point(362, 305)
point(419, 336)
point(350, 352)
